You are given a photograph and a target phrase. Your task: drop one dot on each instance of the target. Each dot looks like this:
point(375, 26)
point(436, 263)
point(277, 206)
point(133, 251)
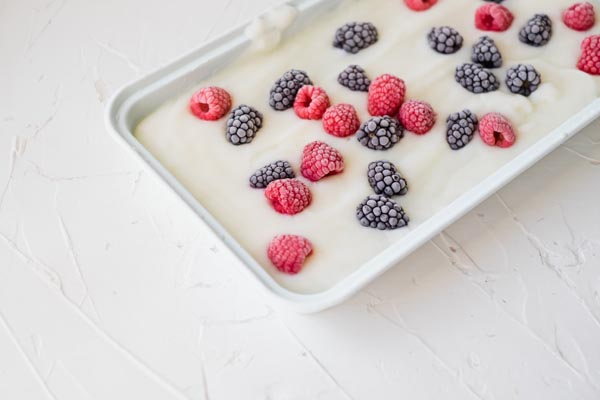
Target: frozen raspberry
point(417, 116)
point(493, 17)
point(320, 160)
point(420, 5)
point(589, 61)
point(386, 95)
point(288, 196)
point(341, 120)
point(580, 16)
point(210, 103)
point(311, 102)
point(288, 252)
point(496, 130)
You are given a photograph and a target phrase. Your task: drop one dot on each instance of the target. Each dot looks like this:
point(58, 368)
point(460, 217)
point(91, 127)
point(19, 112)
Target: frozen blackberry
point(445, 40)
point(355, 36)
point(385, 179)
point(486, 53)
point(242, 125)
point(284, 90)
point(538, 31)
point(523, 79)
point(354, 78)
point(380, 133)
point(379, 212)
point(272, 172)
point(460, 129)
point(476, 79)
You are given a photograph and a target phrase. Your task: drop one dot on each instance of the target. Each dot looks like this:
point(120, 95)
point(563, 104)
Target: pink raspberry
point(386, 95)
point(589, 61)
point(580, 16)
point(417, 116)
point(288, 196)
point(311, 102)
point(420, 5)
point(210, 103)
point(496, 130)
point(341, 120)
point(320, 160)
point(288, 252)
point(493, 17)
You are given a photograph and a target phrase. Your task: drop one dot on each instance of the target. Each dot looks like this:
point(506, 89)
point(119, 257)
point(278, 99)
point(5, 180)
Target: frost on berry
point(493, 17)
point(288, 252)
point(341, 120)
point(210, 103)
point(288, 196)
point(320, 160)
point(496, 130)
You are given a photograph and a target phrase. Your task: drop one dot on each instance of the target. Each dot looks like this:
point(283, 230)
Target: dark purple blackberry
point(486, 53)
point(385, 179)
point(523, 79)
point(355, 36)
point(460, 129)
point(476, 79)
point(272, 172)
point(538, 31)
point(242, 125)
point(354, 78)
point(445, 40)
point(380, 133)
point(379, 212)
point(495, 1)
point(284, 90)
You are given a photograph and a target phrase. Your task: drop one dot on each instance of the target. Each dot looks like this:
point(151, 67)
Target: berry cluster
point(477, 77)
point(391, 115)
point(494, 129)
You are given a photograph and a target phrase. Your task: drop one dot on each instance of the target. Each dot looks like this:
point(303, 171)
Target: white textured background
point(110, 289)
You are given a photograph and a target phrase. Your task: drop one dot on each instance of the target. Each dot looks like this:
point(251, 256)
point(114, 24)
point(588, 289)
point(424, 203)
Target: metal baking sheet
point(138, 99)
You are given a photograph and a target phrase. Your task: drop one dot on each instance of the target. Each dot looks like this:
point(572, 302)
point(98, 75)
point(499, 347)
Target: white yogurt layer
point(216, 172)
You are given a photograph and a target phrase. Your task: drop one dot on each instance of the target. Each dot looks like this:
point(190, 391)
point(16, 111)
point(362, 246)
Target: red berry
point(417, 116)
point(319, 160)
point(493, 17)
point(386, 95)
point(496, 130)
point(288, 196)
point(311, 102)
point(341, 120)
point(589, 61)
point(288, 252)
point(420, 5)
point(210, 103)
point(580, 16)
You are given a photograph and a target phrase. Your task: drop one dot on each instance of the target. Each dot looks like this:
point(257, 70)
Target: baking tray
point(139, 98)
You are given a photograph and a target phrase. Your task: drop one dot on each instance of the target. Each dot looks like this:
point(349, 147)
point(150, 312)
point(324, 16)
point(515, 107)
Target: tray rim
point(122, 100)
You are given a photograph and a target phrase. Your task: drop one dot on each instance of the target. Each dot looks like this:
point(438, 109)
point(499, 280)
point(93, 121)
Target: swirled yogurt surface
point(216, 172)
